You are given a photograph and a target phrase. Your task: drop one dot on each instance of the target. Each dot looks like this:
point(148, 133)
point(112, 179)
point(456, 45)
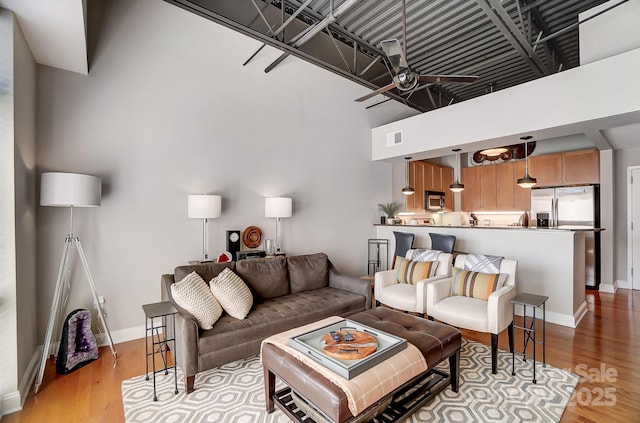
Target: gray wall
point(168, 110)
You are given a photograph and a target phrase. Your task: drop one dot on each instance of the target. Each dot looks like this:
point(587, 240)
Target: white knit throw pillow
point(232, 293)
point(193, 294)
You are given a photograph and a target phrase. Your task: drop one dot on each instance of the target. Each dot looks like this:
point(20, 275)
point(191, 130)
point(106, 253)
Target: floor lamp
point(69, 190)
point(277, 207)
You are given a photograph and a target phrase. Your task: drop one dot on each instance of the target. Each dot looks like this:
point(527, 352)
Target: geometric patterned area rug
point(234, 392)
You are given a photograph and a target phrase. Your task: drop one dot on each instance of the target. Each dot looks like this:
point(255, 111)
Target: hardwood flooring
point(604, 350)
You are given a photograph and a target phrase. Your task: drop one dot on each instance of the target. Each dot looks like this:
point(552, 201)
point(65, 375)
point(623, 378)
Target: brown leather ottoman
point(436, 341)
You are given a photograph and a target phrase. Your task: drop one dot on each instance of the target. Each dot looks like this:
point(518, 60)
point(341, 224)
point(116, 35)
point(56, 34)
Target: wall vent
point(394, 138)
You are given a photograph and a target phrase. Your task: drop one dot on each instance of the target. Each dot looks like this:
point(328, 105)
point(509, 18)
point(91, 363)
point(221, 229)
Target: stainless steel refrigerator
point(573, 208)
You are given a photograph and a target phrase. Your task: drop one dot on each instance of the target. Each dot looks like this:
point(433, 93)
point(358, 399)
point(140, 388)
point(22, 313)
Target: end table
point(533, 301)
point(160, 345)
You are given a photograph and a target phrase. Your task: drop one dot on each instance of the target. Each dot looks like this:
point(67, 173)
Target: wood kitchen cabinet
point(471, 193)
point(581, 167)
point(567, 168)
point(488, 188)
point(447, 179)
point(547, 169)
point(415, 202)
point(510, 196)
point(427, 176)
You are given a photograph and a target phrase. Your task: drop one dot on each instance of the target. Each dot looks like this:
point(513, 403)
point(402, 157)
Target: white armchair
point(405, 296)
point(491, 316)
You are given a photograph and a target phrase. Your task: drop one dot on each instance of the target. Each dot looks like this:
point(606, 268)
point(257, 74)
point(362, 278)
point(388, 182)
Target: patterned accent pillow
point(409, 271)
point(193, 295)
point(425, 255)
point(234, 295)
point(474, 284)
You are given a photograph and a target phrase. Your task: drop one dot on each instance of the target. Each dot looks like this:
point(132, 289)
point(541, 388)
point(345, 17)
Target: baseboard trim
point(580, 313)
point(10, 403)
point(623, 284)
point(121, 335)
point(609, 288)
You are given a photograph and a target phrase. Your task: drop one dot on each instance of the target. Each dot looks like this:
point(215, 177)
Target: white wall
point(168, 110)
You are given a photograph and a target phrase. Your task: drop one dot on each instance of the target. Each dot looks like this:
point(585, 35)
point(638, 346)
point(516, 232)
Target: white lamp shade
point(277, 207)
point(70, 189)
point(204, 206)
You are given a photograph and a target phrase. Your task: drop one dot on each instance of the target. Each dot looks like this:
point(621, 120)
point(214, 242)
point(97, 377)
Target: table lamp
point(204, 206)
point(277, 207)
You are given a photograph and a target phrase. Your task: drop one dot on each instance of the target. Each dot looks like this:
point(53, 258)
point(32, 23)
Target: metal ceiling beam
point(542, 25)
point(312, 31)
point(503, 22)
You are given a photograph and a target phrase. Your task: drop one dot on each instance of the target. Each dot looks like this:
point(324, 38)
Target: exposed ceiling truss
point(505, 42)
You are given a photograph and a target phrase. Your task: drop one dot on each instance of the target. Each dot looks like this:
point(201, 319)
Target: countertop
point(515, 228)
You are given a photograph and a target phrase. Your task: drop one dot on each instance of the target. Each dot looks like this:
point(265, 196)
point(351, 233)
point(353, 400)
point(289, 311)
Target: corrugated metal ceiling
point(493, 39)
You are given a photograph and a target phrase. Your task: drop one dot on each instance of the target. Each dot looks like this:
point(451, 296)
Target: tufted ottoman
point(435, 341)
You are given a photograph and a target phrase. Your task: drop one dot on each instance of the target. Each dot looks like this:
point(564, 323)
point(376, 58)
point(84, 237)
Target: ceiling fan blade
point(393, 50)
point(434, 79)
point(376, 92)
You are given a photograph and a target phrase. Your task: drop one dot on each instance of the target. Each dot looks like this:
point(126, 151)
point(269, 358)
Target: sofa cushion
point(267, 277)
point(409, 271)
point(279, 314)
point(207, 271)
point(193, 294)
point(232, 293)
point(308, 272)
point(474, 284)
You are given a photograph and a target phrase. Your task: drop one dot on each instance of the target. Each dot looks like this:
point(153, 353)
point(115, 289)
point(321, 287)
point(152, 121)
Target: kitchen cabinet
point(581, 167)
point(547, 169)
point(567, 168)
point(427, 176)
point(415, 202)
point(471, 193)
point(510, 196)
point(447, 179)
point(488, 188)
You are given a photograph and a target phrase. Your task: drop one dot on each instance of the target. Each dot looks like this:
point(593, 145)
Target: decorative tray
point(312, 344)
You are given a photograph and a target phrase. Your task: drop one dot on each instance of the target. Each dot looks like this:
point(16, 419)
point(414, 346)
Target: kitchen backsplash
point(462, 219)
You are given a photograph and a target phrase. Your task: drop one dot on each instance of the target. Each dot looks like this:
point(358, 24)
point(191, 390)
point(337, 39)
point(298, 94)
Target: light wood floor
point(607, 337)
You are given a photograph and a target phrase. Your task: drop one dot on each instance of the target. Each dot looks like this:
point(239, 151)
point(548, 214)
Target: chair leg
point(494, 353)
point(510, 333)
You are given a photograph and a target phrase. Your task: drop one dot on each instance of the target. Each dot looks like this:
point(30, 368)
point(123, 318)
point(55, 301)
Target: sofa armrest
point(384, 279)
point(500, 309)
point(437, 291)
point(350, 283)
point(187, 331)
point(422, 287)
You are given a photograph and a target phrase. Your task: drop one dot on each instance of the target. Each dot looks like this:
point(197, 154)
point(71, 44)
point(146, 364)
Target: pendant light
point(456, 186)
point(407, 190)
point(494, 152)
point(526, 181)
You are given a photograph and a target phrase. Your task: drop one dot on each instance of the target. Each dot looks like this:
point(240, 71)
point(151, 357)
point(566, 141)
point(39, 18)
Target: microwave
point(434, 201)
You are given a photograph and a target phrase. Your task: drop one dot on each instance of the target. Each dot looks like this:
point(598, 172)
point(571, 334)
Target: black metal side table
point(529, 329)
point(160, 345)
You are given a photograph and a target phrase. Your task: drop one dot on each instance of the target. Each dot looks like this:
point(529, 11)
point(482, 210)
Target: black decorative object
point(233, 243)
point(78, 345)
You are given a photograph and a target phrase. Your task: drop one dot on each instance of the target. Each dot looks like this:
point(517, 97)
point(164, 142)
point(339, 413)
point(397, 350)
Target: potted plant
point(390, 209)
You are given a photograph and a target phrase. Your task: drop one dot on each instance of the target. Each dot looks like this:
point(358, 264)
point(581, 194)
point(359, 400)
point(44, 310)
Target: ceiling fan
point(404, 79)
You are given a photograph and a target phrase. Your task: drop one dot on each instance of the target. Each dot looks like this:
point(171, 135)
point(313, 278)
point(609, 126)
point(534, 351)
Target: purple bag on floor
point(78, 345)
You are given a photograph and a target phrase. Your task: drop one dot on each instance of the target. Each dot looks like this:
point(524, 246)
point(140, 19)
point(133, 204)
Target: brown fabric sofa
point(288, 292)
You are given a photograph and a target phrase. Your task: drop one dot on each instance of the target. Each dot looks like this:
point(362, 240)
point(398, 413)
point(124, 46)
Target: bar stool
point(533, 301)
point(163, 310)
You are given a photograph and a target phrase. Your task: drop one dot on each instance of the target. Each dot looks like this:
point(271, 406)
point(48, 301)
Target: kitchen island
point(551, 262)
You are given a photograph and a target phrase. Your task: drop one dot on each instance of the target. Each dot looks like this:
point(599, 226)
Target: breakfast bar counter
point(551, 262)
